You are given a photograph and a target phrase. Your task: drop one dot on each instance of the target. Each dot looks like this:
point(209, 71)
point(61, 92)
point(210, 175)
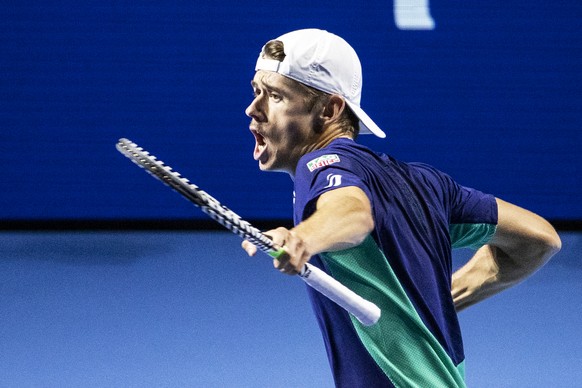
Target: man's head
point(323, 61)
point(307, 91)
point(348, 122)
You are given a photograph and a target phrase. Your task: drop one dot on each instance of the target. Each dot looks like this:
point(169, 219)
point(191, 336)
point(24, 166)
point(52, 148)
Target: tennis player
point(382, 227)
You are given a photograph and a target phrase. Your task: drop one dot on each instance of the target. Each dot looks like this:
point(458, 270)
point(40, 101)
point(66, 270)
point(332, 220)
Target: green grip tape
point(277, 254)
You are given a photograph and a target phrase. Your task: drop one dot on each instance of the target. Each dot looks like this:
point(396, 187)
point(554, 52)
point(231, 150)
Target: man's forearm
point(523, 242)
point(491, 270)
point(478, 279)
point(336, 225)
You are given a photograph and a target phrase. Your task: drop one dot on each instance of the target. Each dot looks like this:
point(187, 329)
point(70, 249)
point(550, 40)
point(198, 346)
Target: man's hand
point(296, 253)
point(343, 219)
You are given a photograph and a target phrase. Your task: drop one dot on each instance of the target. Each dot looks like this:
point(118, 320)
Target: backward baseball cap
point(326, 62)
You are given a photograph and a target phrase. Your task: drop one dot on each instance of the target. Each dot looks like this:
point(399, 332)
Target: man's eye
point(275, 97)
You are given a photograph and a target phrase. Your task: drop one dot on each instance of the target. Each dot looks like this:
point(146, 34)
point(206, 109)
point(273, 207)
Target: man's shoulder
point(339, 151)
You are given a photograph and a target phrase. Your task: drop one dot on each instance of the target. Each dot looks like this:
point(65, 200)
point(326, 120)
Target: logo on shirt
point(333, 180)
point(322, 161)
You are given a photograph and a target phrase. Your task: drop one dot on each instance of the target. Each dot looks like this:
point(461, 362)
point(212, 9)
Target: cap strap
point(268, 64)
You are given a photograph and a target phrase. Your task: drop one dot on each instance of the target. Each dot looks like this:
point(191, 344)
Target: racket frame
point(365, 311)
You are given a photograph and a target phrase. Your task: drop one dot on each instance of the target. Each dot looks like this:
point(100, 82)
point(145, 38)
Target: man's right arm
point(343, 219)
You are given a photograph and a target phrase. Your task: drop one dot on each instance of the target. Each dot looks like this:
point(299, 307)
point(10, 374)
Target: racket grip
point(365, 311)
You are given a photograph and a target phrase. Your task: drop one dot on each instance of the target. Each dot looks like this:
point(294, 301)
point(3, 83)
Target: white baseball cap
point(326, 62)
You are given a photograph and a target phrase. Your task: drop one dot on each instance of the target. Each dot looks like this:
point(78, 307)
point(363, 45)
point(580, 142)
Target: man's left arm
point(523, 242)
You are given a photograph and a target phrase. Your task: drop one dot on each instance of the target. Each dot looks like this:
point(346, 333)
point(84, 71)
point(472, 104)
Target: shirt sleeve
point(473, 217)
point(472, 213)
point(314, 179)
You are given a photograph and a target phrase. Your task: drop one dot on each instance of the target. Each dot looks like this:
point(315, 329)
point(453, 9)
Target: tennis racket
point(365, 311)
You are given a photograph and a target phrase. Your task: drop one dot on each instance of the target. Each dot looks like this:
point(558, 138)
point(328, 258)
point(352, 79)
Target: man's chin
point(265, 167)
point(270, 167)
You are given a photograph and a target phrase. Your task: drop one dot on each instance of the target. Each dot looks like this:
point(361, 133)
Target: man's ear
point(333, 109)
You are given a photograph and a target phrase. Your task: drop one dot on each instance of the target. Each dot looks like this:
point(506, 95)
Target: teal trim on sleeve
point(471, 235)
point(400, 343)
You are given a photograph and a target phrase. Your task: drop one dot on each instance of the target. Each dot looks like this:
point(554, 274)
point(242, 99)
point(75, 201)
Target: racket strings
point(208, 204)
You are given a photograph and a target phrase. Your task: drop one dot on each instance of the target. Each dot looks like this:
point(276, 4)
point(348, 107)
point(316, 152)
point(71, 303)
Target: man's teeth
point(259, 150)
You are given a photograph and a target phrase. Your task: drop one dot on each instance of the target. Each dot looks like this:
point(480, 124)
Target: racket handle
point(365, 311)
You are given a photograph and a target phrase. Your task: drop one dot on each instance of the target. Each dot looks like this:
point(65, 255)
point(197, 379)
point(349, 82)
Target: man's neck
point(322, 141)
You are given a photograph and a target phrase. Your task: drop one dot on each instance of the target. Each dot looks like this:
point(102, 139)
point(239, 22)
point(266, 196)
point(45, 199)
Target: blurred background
point(108, 278)
point(491, 95)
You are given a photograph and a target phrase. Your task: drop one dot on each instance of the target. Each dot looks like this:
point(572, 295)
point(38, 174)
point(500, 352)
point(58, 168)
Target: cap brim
point(367, 125)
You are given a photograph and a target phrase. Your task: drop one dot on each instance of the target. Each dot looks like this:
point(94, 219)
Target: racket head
point(207, 203)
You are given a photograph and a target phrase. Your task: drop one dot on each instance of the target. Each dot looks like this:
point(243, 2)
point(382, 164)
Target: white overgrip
point(365, 311)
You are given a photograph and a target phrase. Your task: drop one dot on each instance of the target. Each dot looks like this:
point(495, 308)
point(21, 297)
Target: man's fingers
point(278, 235)
point(249, 248)
point(286, 268)
point(284, 264)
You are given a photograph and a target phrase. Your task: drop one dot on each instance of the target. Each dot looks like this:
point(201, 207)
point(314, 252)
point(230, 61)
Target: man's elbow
point(544, 245)
point(527, 257)
point(366, 226)
point(551, 242)
point(369, 224)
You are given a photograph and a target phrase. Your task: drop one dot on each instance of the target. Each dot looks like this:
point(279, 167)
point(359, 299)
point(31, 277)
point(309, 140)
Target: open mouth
point(260, 146)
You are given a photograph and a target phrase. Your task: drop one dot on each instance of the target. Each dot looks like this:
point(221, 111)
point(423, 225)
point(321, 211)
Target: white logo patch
point(322, 161)
point(333, 180)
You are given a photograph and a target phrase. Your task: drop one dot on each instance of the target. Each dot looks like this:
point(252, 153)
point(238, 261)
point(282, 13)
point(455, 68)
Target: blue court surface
point(189, 309)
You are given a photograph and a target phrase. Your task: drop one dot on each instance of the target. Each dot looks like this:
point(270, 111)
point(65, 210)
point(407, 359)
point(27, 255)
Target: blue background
point(491, 96)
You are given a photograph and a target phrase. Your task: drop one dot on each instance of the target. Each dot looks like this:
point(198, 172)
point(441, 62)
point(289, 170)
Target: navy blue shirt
point(404, 266)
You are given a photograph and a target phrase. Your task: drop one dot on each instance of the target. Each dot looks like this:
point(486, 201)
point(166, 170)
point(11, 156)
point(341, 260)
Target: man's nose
point(254, 110)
